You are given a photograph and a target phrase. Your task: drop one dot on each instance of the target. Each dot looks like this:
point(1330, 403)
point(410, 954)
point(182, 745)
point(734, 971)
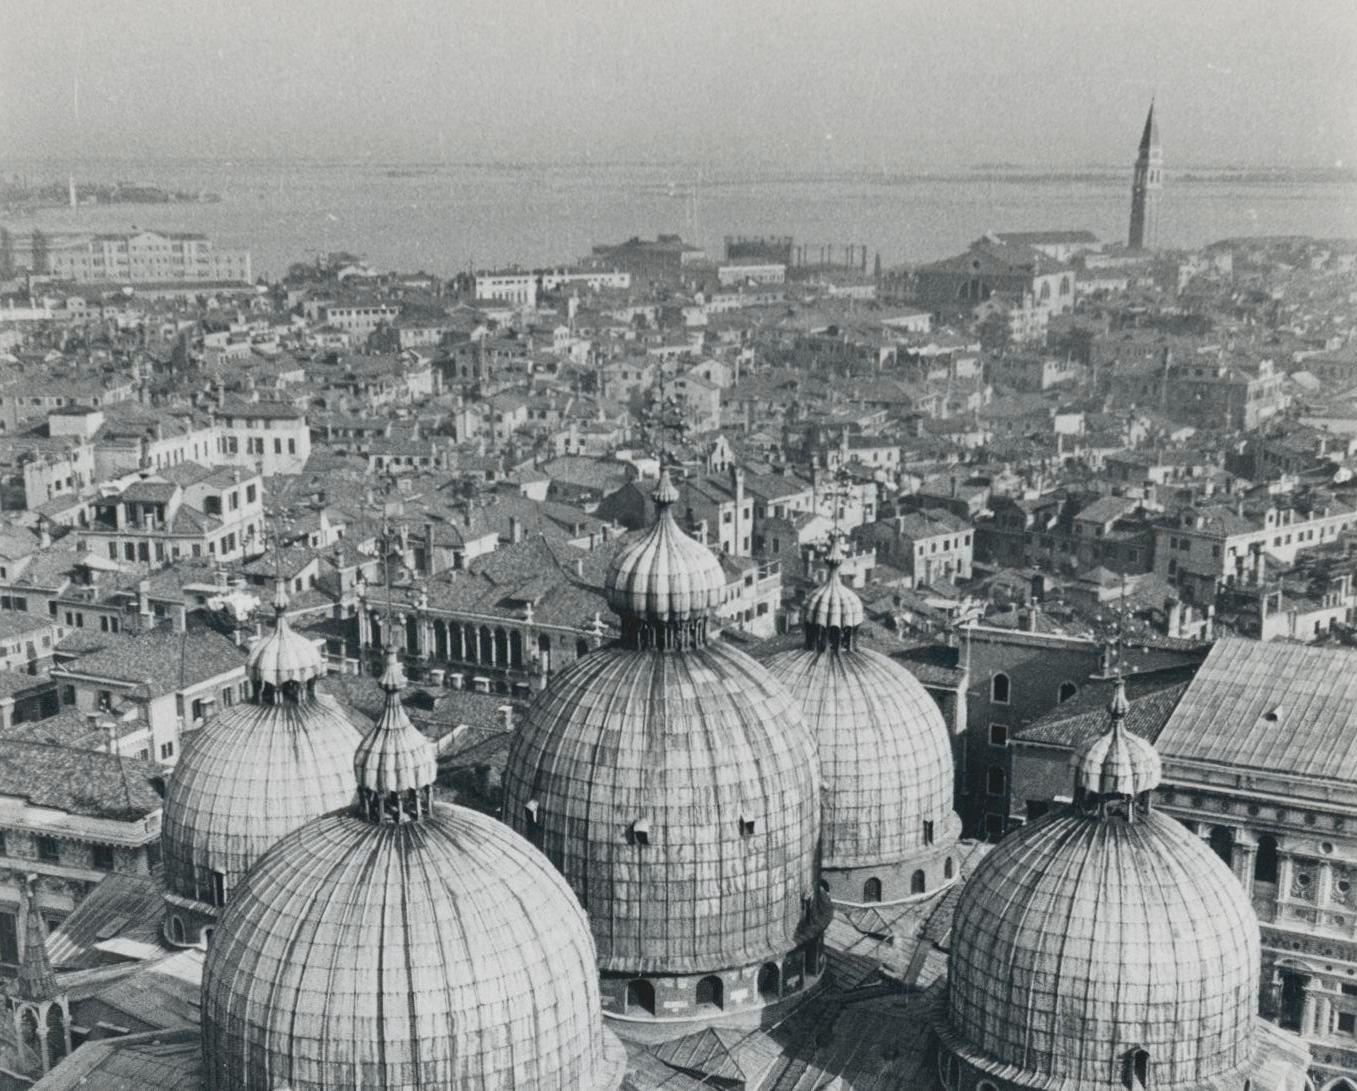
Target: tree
point(6, 254)
point(41, 250)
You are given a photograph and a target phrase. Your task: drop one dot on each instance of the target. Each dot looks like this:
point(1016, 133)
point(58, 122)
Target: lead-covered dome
point(888, 829)
point(1101, 942)
point(404, 944)
point(671, 780)
point(257, 770)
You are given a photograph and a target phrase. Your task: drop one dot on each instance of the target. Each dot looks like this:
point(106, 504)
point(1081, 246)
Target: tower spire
point(36, 979)
point(1145, 186)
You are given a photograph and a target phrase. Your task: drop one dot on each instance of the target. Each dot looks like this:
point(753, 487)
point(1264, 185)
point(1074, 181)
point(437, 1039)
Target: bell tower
point(1145, 188)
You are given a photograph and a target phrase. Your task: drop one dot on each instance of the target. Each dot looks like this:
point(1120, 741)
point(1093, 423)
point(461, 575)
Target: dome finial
point(665, 493)
point(833, 610)
point(395, 765)
point(280, 599)
point(1118, 765)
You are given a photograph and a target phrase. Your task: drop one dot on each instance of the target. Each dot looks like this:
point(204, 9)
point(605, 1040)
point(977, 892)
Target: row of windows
point(1001, 691)
point(49, 851)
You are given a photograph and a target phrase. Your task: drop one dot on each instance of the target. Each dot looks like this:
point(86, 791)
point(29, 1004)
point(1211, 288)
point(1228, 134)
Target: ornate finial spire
point(395, 765)
point(665, 494)
point(35, 980)
point(833, 611)
point(1117, 768)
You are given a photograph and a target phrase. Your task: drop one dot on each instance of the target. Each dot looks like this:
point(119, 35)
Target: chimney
point(1027, 618)
point(579, 568)
point(515, 530)
point(44, 535)
point(144, 600)
point(507, 711)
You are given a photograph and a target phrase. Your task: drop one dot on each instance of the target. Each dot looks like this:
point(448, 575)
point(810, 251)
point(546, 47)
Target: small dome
point(885, 756)
point(832, 605)
point(394, 757)
point(1117, 762)
point(284, 655)
point(666, 575)
point(404, 944)
point(257, 770)
point(255, 773)
point(1102, 937)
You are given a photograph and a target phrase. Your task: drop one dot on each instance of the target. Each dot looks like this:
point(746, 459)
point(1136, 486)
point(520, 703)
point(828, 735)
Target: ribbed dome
point(833, 605)
point(1098, 931)
point(403, 945)
point(666, 575)
point(885, 757)
point(1117, 762)
point(441, 953)
point(394, 757)
point(255, 772)
point(703, 754)
point(284, 655)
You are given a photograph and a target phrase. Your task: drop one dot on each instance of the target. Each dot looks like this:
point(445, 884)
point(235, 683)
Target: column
point(1323, 885)
point(1245, 855)
point(1285, 866)
point(1309, 1014)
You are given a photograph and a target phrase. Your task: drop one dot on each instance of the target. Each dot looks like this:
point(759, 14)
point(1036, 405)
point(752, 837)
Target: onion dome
point(284, 655)
point(885, 755)
point(1105, 941)
point(672, 781)
point(401, 943)
point(666, 576)
point(258, 770)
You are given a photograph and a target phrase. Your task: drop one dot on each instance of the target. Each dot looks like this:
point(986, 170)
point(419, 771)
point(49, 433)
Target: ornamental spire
point(395, 765)
point(833, 610)
point(36, 979)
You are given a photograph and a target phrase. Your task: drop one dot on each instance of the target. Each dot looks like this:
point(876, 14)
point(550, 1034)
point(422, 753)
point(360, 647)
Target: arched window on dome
point(711, 993)
point(1137, 1076)
point(871, 890)
point(640, 997)
point(218, 889)
point(581, 648)
point(948, 868)
point(770, 981)
point(176, 930)
point(29, 1035)
point(928, 832)
point(1222, 844)
point(1000, 689)
point(1067, 690)
point(1265, 862)
point(918, 882)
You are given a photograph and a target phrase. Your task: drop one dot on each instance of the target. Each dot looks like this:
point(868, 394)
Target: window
point(166, 751)
point(746, 825)
point(49, 850)
point(103, 857)
point(998, 734)
point(948, 868)
point(250, 494)
point(1347, 1022)
point(105, 699)
point(994, 781)
point(3, 850)
point(1000, 689)
point(218, 888)
point(1067, 690)
point(871, 890)
point(928, 833)
point(640, 832)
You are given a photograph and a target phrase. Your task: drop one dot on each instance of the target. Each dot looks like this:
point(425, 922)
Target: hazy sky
point(901, 84)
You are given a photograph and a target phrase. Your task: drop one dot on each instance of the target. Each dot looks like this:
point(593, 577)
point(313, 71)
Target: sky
point(897, 83)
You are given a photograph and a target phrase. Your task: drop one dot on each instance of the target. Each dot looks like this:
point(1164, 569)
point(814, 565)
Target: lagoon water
point(447, 218)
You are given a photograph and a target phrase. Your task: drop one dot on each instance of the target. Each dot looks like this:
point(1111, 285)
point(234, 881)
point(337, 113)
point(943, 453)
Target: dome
point(1117, 762)
point(284, 655)
point(1104, 939)
point(255, 772)
point(884, 753)
point(403, 944)
point(671, 780)
point(666, 575)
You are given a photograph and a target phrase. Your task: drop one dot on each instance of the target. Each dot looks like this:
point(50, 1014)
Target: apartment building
point(147, 256)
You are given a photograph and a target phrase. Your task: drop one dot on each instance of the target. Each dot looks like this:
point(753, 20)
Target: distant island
point(20, 194)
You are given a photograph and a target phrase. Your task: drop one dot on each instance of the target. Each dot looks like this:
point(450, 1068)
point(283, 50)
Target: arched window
point(1222, 844)
point(640, 997)
point(487, 649)
point(710, 992)
point(1065, 285)
point(999, 689)
point(1045, 290)
point(770, 981)
point(1265, 862)
point(918, 882)
point(948, 868)
point(1067, 690)
point(56, 1033)
point(1138, 1070)
point(581, 648)
point(29, 1033)
point(871, 890)
point(501, 647)
point(176, 930)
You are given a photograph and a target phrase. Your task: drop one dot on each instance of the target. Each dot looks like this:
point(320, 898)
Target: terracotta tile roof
point(89, 783)
point(1085, 715)
point(164, 661)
